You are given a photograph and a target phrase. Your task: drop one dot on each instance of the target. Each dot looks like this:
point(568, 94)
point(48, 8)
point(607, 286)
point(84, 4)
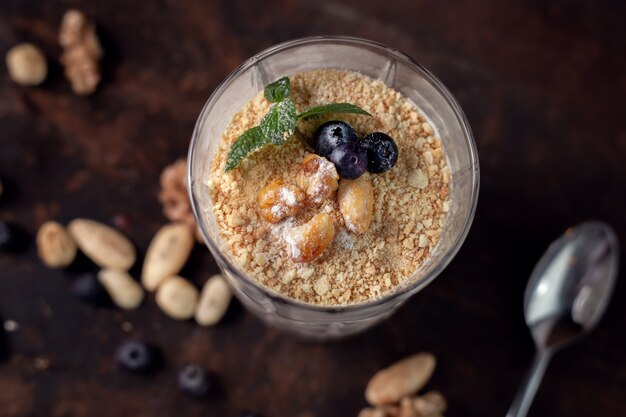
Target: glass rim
point(402, 292)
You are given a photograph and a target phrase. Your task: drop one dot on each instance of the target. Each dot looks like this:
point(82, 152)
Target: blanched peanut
point(177, 298)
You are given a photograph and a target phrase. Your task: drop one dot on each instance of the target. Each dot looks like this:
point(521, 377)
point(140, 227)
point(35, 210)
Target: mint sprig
point(278, 90)
point(280, 123)
point(332, 108)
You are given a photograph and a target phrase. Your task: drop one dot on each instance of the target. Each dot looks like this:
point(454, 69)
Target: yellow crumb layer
point(410, 201)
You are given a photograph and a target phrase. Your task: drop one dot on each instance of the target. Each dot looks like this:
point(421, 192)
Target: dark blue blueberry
point(88, 289)
point(194, 380)
point(331, 134)
point(382, 152)
point(7, 236)
point(136, 356)
point(350, 159)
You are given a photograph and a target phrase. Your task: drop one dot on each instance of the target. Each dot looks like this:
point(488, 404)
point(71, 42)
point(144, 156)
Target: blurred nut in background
point(81, 52)
point(26, 64)
point(55, 246)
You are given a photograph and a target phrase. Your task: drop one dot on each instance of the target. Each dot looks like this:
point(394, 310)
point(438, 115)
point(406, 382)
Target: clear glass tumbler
point(396, 70)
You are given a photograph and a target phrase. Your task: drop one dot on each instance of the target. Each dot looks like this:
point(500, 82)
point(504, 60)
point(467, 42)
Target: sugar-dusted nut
point(279, 200)
point(356, 203)
point(55, 246)
point(401, 379)
point(214, 301)
point(26, 64)
point(125, 292)
point(167, 254)
point(431, 403)
point(318, 178)
point(307, 242)
point(177, 298)
point(102, 244)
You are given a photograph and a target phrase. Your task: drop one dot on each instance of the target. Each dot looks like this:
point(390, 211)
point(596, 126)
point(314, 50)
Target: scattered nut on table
point(55, 246)
point(214, 301)
point(26, 64)
point(81, 52)
point(401, 379)
point(102, 244)
point(125, 292)
point(167, 254)
point(174, 197)
point(177, 298)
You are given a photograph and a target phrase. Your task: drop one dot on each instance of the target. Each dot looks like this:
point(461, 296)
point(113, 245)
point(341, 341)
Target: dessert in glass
point(327, 230)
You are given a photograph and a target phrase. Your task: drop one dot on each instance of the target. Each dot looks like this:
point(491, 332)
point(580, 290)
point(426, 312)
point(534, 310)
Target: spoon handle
point(527, 391)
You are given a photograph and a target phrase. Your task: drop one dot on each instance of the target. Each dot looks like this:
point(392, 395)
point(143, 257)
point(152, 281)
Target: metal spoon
point(566, 296)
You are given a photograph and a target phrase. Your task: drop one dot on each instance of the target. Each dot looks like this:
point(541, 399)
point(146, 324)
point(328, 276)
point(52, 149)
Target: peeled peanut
point(318, 178)
point(125, 292)
point(356, 203)
point(55, 246)
point(102, 244)
point(278, 201)
point(307, 242)
point(431, 403)
point(401, 379)
point(167, 254)
point(26, 64)
point(177, 298)
point(213, 302)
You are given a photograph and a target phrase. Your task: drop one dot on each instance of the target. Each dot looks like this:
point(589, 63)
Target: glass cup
point(396, 70)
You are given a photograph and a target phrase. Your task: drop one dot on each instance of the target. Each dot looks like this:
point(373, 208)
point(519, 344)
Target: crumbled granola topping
point(410, 201)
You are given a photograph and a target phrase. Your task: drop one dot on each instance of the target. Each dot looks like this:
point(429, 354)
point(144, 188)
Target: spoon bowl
point(567, 294)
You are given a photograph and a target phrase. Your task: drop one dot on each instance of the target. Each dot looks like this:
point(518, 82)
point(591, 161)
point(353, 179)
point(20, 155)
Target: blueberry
point(7, 236)
point(194, 380)
point(350, 159)
point(331, 134)
point(382, 152)
point(88, 289)
point(135, 355)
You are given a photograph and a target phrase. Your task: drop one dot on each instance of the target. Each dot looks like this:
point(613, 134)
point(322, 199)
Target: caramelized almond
point(318, 178)
point(278, 201)
point(307, 242)
point(356, 203)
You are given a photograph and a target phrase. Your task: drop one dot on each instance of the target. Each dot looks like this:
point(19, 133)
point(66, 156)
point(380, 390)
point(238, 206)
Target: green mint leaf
point(280, 119)
point(278, 90)
point(332, 108)
point(249, 141)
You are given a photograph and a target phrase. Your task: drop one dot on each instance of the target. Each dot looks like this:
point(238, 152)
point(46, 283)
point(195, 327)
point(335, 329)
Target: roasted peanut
point(307, 242)
point(278, 201)
point(102, 244)
point(26, 64)
point(167, 254)
point(431, 403)
point(356, 203)
point(177, 298)
point(401, 379)
point(125, 292)
point(214, 301)
point(55, 246)
point(318, 178)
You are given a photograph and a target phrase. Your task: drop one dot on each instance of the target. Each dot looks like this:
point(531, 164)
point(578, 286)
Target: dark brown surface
point(543, 86)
